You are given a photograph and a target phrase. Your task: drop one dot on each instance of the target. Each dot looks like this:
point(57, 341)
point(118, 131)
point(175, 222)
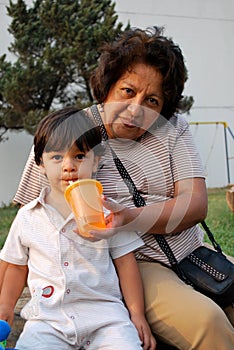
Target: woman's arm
point(187, 208)
point(13, 284)
point(132, 290)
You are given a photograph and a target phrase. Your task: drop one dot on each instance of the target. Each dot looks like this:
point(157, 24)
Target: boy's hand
point(7, 313)
point(144, 332)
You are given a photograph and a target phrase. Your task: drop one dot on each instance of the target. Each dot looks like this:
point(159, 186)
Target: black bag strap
point(137, 198)
point(211, 237)
point(140, 202)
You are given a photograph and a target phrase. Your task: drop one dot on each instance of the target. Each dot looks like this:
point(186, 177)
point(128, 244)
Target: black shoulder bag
point(206, 270)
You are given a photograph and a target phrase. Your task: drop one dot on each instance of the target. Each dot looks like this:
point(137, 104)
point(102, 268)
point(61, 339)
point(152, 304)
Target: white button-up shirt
point(71, 280)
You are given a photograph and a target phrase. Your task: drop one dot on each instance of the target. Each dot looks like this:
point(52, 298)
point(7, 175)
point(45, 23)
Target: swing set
point(226, 128)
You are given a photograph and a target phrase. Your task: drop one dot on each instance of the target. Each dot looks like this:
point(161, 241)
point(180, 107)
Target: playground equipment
point(226, 129)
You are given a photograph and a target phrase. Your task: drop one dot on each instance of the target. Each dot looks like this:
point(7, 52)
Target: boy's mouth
point(70, 180)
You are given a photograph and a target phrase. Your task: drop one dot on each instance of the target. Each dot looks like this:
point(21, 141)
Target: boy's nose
point(68, 165)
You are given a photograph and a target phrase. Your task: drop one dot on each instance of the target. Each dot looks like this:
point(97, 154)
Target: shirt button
point(72, 317)
point(66, 263)
point(68, 291)
point(63, 230)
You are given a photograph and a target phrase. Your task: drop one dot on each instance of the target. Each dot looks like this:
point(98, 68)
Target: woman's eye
point(153, 101)
point(127, 91)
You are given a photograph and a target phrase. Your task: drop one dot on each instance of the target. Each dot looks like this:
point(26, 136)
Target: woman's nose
point(136, 108)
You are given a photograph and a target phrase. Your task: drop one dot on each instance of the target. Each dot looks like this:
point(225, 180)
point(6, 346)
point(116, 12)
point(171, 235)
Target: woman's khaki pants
point(181, 316)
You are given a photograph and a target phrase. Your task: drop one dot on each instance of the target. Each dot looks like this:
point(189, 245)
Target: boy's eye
point(80, 156)
point(57, 157)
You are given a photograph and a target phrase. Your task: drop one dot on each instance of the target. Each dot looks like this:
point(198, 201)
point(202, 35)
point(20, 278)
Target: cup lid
point(80, 182)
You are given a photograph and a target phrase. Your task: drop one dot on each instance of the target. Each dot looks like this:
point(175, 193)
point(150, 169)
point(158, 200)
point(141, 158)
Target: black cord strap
point(211, 237)
point(137, 198)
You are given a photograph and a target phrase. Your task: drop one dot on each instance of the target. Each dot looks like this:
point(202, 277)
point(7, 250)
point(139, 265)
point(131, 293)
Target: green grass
point(7, 214)
point(220, 220)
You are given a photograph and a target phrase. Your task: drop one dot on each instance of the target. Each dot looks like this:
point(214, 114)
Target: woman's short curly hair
point(148, 46)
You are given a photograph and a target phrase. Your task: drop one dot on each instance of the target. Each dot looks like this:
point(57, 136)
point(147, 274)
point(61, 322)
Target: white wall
point(14, 151)
point(4, 22)
point(204, 29)
point(13, 155)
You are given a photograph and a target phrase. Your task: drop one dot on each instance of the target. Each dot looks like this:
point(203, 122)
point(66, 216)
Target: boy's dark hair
point(149, 47)
point(59, 130)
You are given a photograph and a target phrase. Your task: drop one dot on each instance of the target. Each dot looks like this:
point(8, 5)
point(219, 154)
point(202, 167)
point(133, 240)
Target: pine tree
point(56, 47)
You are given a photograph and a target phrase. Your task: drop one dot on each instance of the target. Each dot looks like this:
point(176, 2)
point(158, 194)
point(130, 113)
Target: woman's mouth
point(129, 124)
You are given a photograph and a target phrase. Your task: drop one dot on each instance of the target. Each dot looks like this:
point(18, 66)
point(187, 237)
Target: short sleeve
point(185, 159)
point(13, 251)
point(123, 243)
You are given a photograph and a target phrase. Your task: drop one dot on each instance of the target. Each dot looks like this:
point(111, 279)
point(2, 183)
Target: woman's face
point(133, 102)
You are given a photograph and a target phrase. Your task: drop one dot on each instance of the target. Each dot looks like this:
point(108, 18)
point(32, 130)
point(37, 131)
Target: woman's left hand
point(114, 220)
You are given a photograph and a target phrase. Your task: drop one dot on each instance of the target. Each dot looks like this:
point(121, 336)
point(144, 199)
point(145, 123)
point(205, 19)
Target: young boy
point(76, 302)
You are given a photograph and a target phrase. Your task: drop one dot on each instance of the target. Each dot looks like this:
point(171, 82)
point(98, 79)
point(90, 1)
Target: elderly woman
point(138, 84)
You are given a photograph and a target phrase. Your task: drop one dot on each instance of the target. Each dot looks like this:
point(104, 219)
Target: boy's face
point(60, 167)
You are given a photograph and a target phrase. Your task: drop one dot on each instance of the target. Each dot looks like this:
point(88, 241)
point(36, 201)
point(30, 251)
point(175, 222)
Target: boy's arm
point(3, 267)
point(132, 290)
point(13, 284)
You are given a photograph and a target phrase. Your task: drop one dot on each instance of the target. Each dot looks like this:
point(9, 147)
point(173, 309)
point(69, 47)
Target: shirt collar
point(40, 199)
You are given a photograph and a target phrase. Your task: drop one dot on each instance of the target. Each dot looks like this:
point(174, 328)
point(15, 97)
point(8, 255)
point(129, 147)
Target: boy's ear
point(41, 166)
point(95, 163)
